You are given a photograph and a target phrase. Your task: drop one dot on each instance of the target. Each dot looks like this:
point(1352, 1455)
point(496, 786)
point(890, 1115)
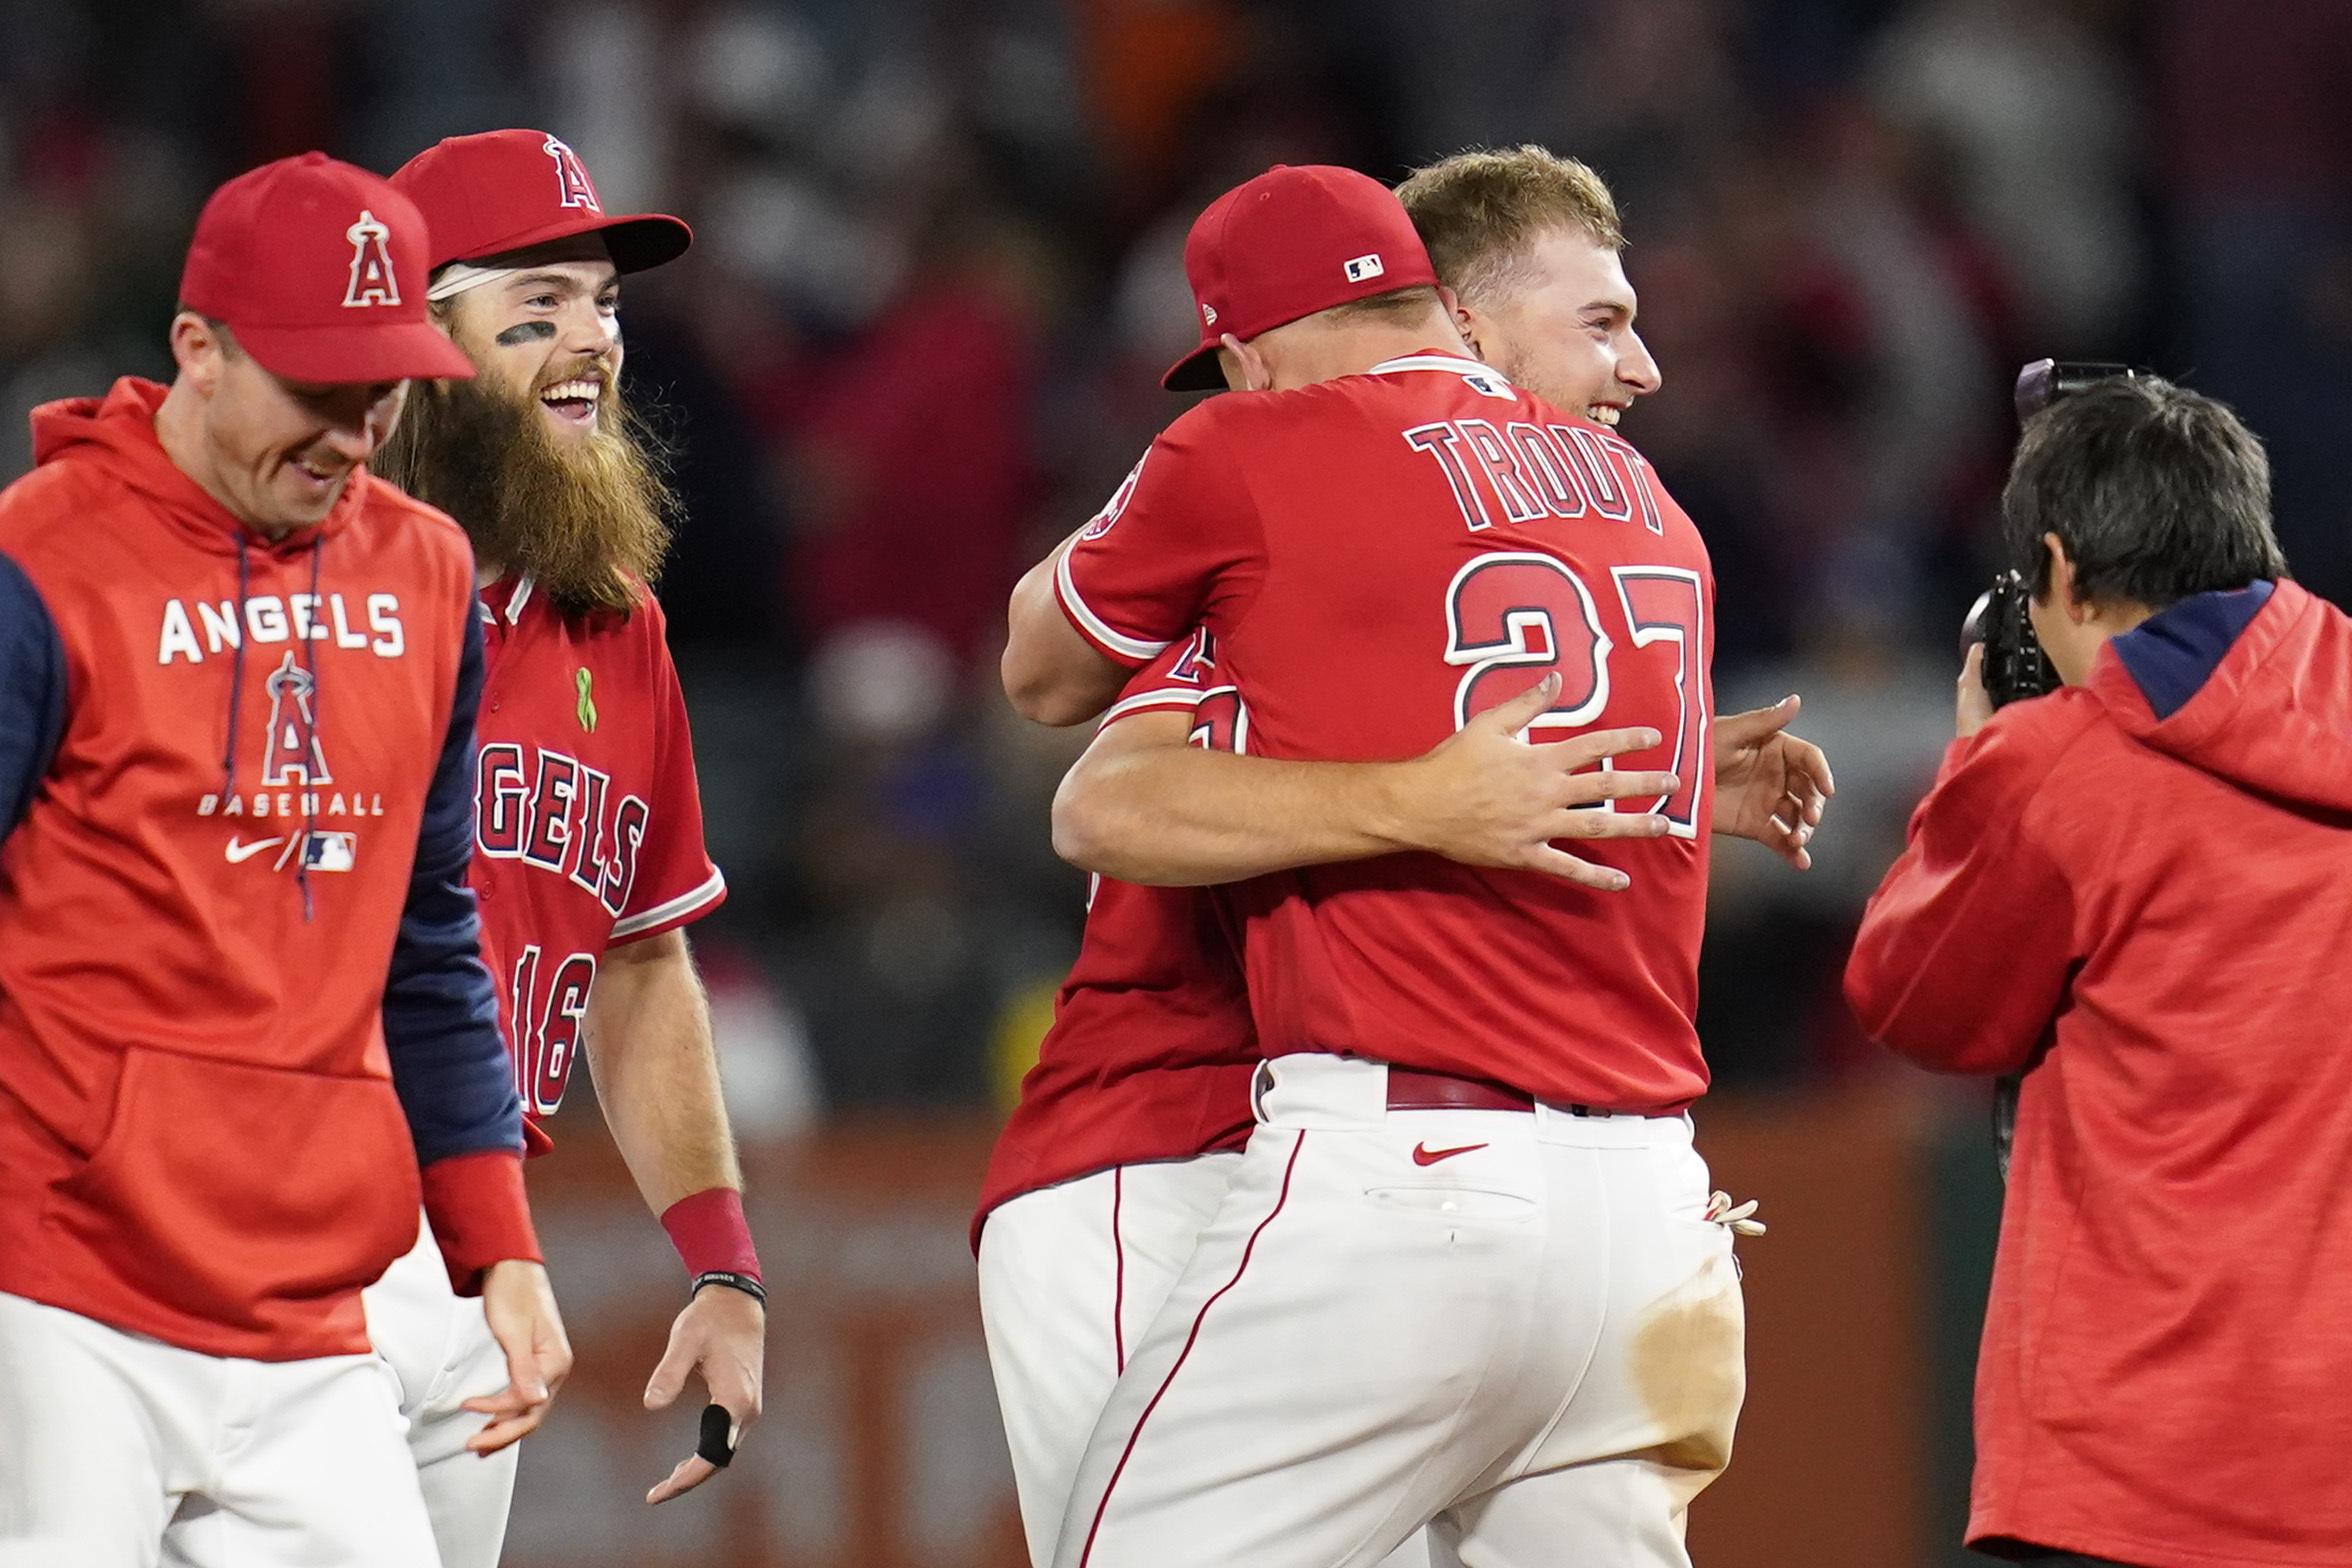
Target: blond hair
point(1479, 213)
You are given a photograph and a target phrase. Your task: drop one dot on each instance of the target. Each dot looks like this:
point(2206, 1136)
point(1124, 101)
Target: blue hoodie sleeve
point(32, 692)
point(449, 1064)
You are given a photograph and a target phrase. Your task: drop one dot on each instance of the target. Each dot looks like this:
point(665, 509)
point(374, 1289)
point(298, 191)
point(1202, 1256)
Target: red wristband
point(708, 1230)
point(479, 1214)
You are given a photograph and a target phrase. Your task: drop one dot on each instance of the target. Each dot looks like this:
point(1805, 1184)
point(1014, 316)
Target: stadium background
point(938, 270)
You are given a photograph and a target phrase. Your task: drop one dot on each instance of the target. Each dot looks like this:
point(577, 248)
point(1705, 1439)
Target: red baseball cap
point(1293, 241)
point(500, 191)
point(319, 270)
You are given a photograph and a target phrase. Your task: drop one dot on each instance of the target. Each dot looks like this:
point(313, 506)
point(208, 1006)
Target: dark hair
point(2157, 492)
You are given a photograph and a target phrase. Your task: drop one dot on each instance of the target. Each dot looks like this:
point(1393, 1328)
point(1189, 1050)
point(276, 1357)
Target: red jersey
point(1151, 1049)
point(588, 823)
point(1379, 558)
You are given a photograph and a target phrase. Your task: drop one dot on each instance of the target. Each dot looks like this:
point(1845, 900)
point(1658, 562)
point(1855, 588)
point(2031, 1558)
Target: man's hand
point(1769, 785)
point(723, 1333)
point(520, 1306)
point(1485, 797)
point(1975, 704)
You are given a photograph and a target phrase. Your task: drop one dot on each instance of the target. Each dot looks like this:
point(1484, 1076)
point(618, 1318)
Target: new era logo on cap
point(1363, 267)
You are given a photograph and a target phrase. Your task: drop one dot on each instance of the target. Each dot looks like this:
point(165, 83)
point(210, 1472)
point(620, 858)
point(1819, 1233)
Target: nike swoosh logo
point(238, 853)
point(1423, 1154)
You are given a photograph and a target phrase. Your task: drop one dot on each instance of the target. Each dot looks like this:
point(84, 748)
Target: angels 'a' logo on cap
point(1364, 267)
point(572, 178)
point(372, 279)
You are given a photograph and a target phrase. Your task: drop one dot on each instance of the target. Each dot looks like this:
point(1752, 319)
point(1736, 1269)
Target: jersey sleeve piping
point(673, 912)
point(1110, 641)
point(1173, 699)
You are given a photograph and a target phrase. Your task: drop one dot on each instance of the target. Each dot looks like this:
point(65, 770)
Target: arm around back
point(1143, 806)
point(1053, 675)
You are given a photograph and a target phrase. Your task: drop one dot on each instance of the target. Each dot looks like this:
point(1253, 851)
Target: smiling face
point(1559, 322)
point(276, 453)
point(537, 457)
point(549, 335)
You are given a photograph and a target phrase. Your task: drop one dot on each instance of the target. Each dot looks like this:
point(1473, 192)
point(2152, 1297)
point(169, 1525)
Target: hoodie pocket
point(221, 1188)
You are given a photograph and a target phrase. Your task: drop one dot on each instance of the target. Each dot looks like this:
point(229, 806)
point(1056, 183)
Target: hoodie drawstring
point(309, 710)
point(310, 722)
point(237, 673)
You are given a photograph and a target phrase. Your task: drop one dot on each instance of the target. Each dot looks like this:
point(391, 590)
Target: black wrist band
point(733, 1281)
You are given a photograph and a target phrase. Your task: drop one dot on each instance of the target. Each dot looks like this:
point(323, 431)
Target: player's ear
point(197, 350)
point(1465, 320)
point(1246, 369)
point(2063, 591)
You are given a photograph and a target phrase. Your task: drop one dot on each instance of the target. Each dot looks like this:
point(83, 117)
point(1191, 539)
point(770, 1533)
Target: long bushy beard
point(588, 519)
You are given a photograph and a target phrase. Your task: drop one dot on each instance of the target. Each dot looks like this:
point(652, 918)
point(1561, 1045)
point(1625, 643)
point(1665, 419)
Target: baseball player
point(1129, 1126)
point(1468, 1268)
point(589, 853)
point(241, 997)
point(1127, 1130)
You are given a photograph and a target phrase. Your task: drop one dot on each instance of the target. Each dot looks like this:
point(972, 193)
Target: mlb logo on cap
point(1287, 244)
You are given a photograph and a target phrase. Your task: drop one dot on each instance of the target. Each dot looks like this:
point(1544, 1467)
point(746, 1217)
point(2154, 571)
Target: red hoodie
point(2143, 887)
point(232, 879)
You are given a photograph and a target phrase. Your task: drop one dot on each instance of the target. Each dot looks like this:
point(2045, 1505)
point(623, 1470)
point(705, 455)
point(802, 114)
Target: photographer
point(2138, 890)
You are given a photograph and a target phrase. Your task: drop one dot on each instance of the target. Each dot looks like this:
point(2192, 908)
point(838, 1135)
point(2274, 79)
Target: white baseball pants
point(1070, 1277)
point(439, 1348)
point(115, 1447)
point(1517, 1326)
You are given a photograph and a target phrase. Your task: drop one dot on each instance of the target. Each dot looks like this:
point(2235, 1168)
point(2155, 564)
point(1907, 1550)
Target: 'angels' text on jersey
point(561, 816)
point(268, 618)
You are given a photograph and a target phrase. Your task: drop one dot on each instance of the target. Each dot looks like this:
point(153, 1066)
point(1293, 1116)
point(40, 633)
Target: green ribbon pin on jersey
point(587, 708)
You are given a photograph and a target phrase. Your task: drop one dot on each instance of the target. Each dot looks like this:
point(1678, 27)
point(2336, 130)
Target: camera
point(2014, 664)
point(2015, 667)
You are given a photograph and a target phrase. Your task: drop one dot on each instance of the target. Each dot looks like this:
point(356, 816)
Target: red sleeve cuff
point(1119, 647)
point(709, 1231)
point(479, 1215)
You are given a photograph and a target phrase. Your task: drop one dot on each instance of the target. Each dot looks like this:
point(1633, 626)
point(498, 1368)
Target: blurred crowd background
point(939, 268)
